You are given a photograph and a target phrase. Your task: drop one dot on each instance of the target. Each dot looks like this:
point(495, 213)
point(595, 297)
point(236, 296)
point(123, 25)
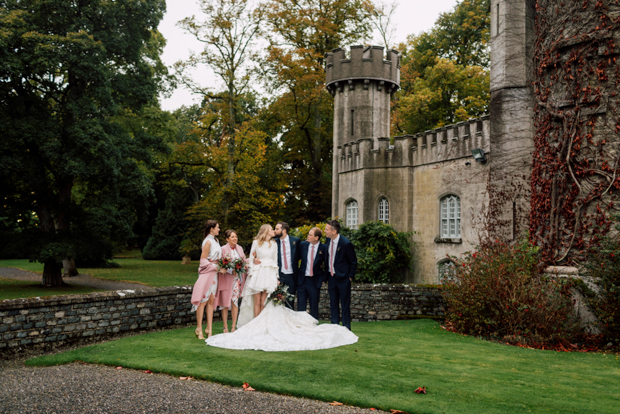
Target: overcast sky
point(412, 17)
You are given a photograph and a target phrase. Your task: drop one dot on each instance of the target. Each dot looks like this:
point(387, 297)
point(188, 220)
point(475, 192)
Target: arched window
point(445, 267)
point(384, 210)
point(352, 214)
point(450, 217)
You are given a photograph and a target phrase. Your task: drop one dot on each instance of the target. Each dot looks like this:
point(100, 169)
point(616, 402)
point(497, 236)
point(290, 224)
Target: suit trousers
point(305, 291)
point(340, 297)
point(289, 280)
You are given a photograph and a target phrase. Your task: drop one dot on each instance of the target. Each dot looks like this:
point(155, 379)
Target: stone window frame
point(439, 265)
point(387, 201)
point(441, 236)
point(348, 219)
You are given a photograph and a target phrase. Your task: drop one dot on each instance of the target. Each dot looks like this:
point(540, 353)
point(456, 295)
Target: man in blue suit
point(288, 259)
point(342, 265)
point(312, 272)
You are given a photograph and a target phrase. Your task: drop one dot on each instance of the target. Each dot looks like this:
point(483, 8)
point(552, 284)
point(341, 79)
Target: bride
point(275, 327)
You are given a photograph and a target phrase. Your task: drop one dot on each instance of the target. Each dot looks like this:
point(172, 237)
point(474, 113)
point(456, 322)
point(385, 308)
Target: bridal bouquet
point(240, 266)
point(280, 295)
point(225, 262)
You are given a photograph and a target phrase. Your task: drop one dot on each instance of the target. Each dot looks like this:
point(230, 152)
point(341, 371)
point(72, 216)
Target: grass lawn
point(391, 359)
point(14, 289)
point(133, 269)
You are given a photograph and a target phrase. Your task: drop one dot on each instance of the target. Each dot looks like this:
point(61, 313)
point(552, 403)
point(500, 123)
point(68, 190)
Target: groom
point(342, 265)
point(288, 259)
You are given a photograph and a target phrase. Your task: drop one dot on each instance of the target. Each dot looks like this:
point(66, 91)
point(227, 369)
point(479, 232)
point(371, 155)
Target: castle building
point(437, 184)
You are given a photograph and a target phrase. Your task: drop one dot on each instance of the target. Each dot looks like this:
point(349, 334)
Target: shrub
point(383, 254)
point(498, 291)
point(603, 267)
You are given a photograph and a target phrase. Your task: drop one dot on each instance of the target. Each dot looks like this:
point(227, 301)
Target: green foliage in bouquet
point(603, 267)
point(383, 254)
point(499, 291)
point(280, 295)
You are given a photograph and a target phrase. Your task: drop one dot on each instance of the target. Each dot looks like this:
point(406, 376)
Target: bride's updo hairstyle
point(210, 224)
point(263, 233)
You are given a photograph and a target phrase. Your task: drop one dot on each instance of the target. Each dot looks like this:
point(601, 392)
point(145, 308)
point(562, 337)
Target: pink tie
point(284, 253)
point(312, 261)
point(331, 260)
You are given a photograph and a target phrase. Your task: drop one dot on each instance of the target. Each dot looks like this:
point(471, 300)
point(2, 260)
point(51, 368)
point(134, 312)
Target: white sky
point(411, 17)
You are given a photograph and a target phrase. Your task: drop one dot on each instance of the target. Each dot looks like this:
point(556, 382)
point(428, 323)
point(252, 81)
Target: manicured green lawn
point(133, 269)
point(14, 289)
point(391, 359)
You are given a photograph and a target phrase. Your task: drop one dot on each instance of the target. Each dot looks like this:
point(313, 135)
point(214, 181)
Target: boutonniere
point(320, 252)
point(338, 249)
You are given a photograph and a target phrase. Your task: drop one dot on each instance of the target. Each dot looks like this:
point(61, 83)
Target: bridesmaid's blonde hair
point(263, 232)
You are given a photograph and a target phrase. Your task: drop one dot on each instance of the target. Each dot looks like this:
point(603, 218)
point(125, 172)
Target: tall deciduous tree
point(68, 68)
point(300, 33)
point(228, 32)
point(445, 71)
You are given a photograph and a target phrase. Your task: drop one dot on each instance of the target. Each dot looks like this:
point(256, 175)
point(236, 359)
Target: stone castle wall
point(50, 322)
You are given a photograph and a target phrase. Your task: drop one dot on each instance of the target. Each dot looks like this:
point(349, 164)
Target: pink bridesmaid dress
point(206, 285)
point(229, 286)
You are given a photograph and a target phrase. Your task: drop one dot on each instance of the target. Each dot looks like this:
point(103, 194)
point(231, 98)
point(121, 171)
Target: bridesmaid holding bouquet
point(205, 287)
point(230, 281)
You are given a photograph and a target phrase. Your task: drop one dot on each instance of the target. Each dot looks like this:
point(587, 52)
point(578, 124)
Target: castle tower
point(362, 86)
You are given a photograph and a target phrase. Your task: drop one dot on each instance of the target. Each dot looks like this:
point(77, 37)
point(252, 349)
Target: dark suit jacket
point(294, 242)
point(319, 268)
point(345, 262)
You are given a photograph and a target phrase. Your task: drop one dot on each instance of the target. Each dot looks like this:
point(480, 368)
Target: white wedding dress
point(279, 328)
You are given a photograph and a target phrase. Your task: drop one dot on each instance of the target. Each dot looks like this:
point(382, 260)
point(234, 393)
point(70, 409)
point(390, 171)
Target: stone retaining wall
point(57, 320)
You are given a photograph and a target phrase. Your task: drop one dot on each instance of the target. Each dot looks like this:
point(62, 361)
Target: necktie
point(312, 261)
point(331, 259)
point(284, 254)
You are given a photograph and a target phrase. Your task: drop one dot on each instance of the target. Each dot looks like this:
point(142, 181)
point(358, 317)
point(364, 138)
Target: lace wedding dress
point(278, 328)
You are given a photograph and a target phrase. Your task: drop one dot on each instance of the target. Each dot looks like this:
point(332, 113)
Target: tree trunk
point(68, 268)
point(52, 274)
point(186, 260)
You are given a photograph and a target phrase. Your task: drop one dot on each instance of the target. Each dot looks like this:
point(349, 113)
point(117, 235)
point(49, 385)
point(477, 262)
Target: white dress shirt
point(334, 245)
point(286, 245)
point(310, 258)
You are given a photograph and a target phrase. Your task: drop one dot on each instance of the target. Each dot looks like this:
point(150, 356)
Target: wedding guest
point(312, 272)
point(205, 287)
point(229, 282)
point(342, 265)
point(262, 275)
point(288, 259)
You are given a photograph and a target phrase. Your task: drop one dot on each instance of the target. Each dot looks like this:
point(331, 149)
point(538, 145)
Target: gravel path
point(80, 280)
point(82, 388)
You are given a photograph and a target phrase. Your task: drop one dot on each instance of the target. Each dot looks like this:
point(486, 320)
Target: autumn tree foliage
point(299, 34)
point(445, 71)
point(576, 167)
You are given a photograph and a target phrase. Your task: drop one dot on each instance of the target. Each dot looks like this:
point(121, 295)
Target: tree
point(228, 32)
point(445, 71)
point(300, 33)
point(70, 70)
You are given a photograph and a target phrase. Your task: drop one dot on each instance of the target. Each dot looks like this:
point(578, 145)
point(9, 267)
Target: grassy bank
point(391, 359)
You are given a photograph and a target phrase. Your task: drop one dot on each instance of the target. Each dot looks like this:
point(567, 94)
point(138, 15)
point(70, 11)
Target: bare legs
point(235, 313)
point(210, 315)
point(199, 313)
point(259, 302)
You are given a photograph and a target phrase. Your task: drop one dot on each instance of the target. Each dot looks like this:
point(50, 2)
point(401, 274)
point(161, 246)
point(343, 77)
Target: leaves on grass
point(397, 412)
point(246, 387)
point(148, 371)
point(421, 390)
point(335, 403)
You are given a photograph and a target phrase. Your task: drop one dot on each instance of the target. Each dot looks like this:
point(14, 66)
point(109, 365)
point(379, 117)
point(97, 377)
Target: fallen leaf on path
point(185, 378)
point(397, 412)
point(373, 409)
point(246, 387)
point(421, 390)
point(148, 371)
point(119, 367)
point(335, 403)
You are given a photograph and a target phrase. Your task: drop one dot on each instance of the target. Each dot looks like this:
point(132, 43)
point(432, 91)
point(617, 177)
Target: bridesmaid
point(205, 287)
point(229, 283)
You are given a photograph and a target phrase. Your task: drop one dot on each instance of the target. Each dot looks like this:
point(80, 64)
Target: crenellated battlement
point(442, 144)
point(366, 64)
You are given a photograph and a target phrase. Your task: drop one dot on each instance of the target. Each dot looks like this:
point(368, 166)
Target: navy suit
point(309, 287)
point(289, 279)
point(345, 266)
